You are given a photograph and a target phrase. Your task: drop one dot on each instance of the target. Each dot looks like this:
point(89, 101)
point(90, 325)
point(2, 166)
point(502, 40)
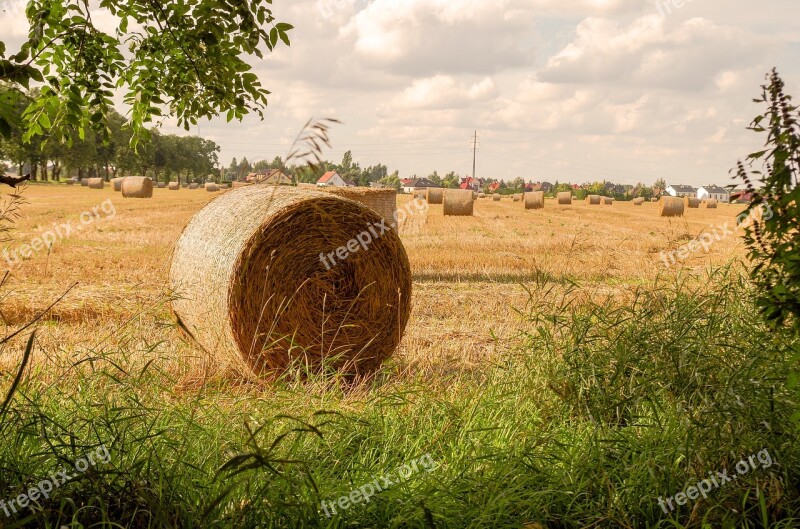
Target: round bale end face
point(174, 186)
point(692, 202)
point(712, 203)
point(565, 198)
point(289, 285)
point(95, 183)
point(458, 202)
point(608, 201)
point(594, 200)
point(496, 198)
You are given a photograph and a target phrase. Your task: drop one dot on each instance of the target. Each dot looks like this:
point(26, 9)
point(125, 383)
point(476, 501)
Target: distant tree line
point(162, 156)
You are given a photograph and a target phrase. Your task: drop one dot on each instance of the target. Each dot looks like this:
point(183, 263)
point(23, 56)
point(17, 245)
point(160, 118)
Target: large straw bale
point(117, 183)
point(671, 207)
point(381, 200)
point(565, 198)
point(84, 182)
point(137, 187)
point(174, 186)
point(458, 202)
point(193, 186)
point(594, 200)
point(711, 203)
point(496, 198)
point(691, 202)
point(96, 183)
point(210, 187)
point(435, 195)
point(517, 197)
point(534, 200)
point(256, 292)
point(608, 201)
point(638, 201)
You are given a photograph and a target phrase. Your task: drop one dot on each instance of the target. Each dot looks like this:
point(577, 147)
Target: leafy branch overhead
point(167, 57)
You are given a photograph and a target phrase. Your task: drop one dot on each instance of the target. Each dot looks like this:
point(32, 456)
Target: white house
point(714, 191)
point(681, 191)
point(331, 178)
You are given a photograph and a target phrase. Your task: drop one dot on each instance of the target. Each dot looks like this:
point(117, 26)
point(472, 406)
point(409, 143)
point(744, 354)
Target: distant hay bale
point(565, 198)
point(534, 200)
point(70, 181)
point(268, 302)
point(474, 195)
point(96, 183)
point(711, 203)
point(593, 200)
point(174, 186)
point(137, 187)
point(517, 197)
point(691, 202)
point(496, 197)
point(481, 195)
point(211, 187)
point(458, 202)
point(193, 186)
point(117, 183)
point(84, 182)
point(671, 207)
point(638, 201)
point(608, 201)
point(382, 201)
point(420, 193)
point(435, 195)
point(161, 185)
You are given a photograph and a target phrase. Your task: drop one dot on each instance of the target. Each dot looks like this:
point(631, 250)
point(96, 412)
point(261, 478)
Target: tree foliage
point(179, 57)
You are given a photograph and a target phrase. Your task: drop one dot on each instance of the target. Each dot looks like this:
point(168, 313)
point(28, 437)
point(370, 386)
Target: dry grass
point(467, 273)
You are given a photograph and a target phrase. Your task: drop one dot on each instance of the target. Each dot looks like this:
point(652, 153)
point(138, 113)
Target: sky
point(558, 90)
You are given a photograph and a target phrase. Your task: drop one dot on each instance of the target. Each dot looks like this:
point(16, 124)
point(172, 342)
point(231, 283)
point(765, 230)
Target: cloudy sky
point(567, 90)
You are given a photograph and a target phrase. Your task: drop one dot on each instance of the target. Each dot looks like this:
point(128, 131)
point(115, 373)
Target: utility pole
point(474, 150)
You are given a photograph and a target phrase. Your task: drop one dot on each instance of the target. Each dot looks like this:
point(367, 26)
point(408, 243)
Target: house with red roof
point(331, 178)
point(494, 186)
point(476, 184)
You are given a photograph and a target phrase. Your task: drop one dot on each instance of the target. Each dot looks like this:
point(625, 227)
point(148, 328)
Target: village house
point(331, 178)
point(714, 191)
point(681, 191)
point(417, 184)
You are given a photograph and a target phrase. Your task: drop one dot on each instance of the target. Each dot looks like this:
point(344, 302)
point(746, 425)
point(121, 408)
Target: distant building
point(714, 191)
point(476, 184)
point(493, 187)
point(681, 191)
point(274, 177)
point(331, 178)
point(417, 184)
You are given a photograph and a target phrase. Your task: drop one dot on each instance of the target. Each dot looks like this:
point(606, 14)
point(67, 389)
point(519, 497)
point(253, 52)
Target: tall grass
point(598, 408)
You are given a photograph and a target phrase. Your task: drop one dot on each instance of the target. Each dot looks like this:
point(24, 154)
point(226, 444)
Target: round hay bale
point(117, 183)
point(481, 195)
point(608, 201)
point(565, 198)
point(593, 200)
point(84, 182)
point(212, 188)
point(517, 197)
point(70, 181)
point(137, 187)
point(276, 291)
point(496, 198)
point(161, 185)
point(436, 195)
point(711, 203)
point(193, 186)
point(638, 201)
point(420, 193)
point(671, 207)
point(382, 201)
point(458, 202)
point(534, 200)
point(692, 202)
point(174, 186)
point(96, 183)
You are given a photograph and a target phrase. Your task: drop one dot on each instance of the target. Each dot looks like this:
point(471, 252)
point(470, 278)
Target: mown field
point(554, 369)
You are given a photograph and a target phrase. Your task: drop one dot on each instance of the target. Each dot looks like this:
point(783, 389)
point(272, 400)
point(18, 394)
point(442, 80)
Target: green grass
point(595, 411)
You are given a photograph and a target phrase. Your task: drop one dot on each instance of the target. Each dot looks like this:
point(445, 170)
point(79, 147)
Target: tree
point(183, 58)
point(659, 186)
